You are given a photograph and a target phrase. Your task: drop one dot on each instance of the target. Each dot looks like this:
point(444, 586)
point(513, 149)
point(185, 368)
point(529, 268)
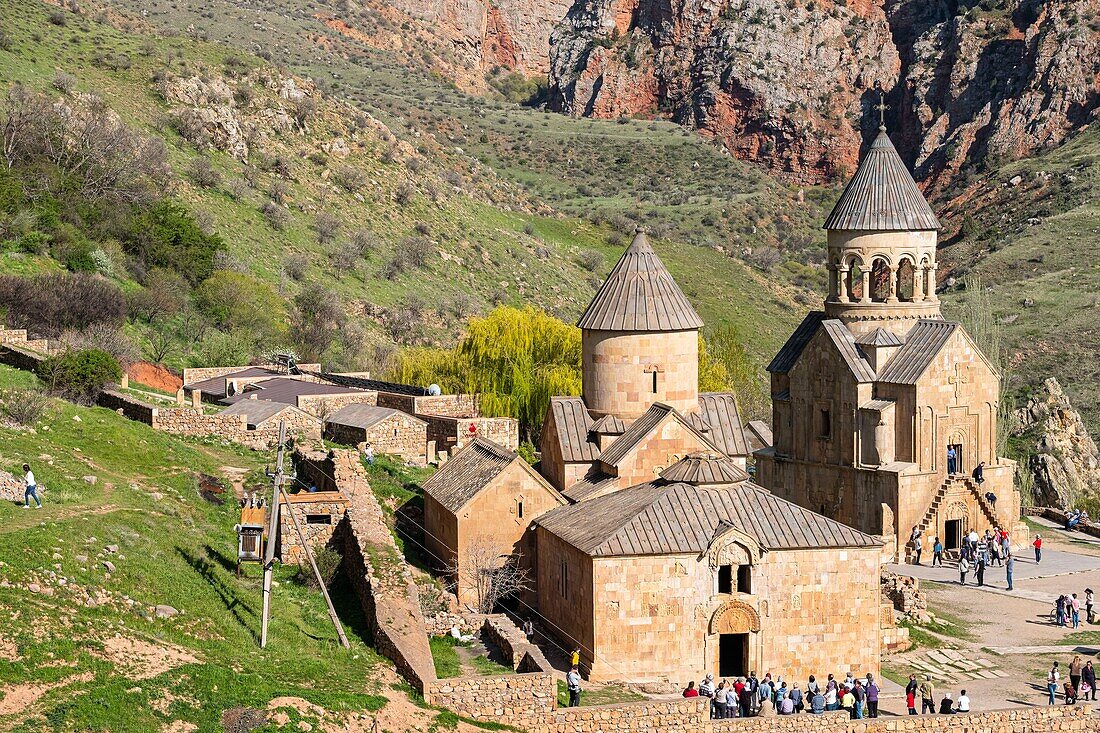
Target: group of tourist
point(745, 697)
point(976, 553)
point(1080, 685)
point(926, 691)
point(1067, 609)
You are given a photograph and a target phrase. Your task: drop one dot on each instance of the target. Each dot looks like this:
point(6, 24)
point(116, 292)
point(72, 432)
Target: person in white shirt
point(962, 705)
point(32, 489)
point(368, 451)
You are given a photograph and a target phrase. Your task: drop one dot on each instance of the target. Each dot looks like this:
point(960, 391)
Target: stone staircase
point(937, 500)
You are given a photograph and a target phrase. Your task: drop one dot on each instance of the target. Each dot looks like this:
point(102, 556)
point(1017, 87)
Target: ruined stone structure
point(388, 431)
point(318, 515)
point(869, 395)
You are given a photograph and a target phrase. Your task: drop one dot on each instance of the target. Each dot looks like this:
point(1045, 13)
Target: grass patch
point(606, 695)
point(445, 657)
point(921, 638)
point(487, 667)
point(1089, 638)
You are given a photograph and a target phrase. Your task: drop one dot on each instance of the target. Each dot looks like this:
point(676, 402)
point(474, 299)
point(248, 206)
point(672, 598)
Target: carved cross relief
point(823, 385)
point(959, 378)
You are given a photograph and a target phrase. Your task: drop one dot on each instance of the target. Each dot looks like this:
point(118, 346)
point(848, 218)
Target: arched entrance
point(735, 625)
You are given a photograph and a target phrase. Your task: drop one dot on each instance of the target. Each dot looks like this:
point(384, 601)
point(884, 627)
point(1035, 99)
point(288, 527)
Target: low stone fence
point(134, 409)
point(509, 697)
point(19, 358)
point(377, 571)
point(512, 642)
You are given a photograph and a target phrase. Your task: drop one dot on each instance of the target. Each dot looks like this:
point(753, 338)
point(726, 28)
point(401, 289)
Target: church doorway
point(952, 534)
point(733, 655)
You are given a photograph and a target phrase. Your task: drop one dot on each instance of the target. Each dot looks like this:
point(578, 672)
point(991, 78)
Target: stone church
point(870, 394)
point(648, 545)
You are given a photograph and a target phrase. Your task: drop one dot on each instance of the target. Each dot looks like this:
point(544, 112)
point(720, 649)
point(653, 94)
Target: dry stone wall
point(308, 508)
point(322, 405)
point(504, 697)
point(512, 642)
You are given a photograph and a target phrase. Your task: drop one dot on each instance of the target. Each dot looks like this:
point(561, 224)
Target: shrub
point(317, 317)
point(349, 178)
point(167, 235)
point(23, 406)
point(404, 193)
point(57, 18)
point(326, 226)
point(295, 266)
point(276, 215)
point(204, 173)
point(328, 562)
point(591, 260)
point(46, 305)
point(364, 242)
point(79, 375)
point(64, 82)
point(239, 301)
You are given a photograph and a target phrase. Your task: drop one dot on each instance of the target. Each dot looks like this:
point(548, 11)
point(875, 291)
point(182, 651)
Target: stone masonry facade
point(318, 514)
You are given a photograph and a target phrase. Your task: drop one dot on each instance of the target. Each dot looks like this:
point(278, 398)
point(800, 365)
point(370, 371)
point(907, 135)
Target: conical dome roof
point(700, 469)
point(640, 295)
point(882, 195)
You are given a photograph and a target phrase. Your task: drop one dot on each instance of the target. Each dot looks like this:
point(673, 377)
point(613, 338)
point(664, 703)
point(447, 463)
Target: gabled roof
point(701, 469)
point(641, 428)
point(877, 405)
point(640, 295)
point(846, 344)
point(574, 425)
point(761, 433)
point(719, 410)
point(676, 518)
point(364, 416)
point(287, 390)
point(215, 386)
point(257, 412)
point(609, 425)
point(922, 344)
point(791, 350)
point(882, 195)
point(462, 477)
point(591, 485)
point(879, 337)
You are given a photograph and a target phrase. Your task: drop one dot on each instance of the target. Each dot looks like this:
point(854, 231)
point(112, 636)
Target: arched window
point(880, 281)
point(855, 281)
point(907, 281)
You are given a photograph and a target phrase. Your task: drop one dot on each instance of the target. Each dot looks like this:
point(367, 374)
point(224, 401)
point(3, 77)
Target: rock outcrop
point(789, 84)
point(1066, 463)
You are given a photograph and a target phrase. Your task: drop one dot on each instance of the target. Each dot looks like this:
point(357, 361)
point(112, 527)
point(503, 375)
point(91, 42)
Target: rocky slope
point(1065, 464)
point(788, 83)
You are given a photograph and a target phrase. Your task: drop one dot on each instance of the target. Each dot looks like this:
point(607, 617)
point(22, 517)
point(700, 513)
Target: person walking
point(31, 491)
point(1060, 610)
point(978, 474)
point(1038, 545)
point(927, 695)
point(573, 684)
point(872, 697)
point(937, 553)
point(951, 460)
point(917, 546)
point(1090, 599)
point(979, 570)
point(1075, 668)
point(1052, 683)
point(1009, 561)
point(964, 568)
point(963, 703)
point(1088, 676)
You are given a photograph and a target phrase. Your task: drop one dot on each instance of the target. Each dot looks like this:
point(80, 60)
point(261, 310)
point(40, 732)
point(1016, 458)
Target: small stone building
point(702, 571)
point(480, 504)
point(264, 416)
point(318, 513)
point(869, 395)
point(389, 431)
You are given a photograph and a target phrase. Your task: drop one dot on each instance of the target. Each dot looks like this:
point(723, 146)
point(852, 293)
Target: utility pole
point(279, 495)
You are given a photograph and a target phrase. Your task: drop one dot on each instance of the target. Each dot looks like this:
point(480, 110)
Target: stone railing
point(512, 642)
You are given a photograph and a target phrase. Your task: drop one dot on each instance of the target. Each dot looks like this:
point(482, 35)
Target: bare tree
point(489, 575)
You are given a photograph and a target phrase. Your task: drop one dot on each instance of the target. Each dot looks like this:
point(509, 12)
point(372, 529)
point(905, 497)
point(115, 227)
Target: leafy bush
point(24, 406)
point(236, 300)
point(46, 305)
point(79, 375)
point(591, 260)
point(328, 562)
point(276, 215)
point(167, 235)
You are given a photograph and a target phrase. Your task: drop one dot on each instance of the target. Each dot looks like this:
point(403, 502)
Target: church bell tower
point(882, 247)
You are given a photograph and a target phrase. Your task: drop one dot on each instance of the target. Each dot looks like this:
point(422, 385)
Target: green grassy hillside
point(81, 647)
point(470, 227)
point(1031, 232)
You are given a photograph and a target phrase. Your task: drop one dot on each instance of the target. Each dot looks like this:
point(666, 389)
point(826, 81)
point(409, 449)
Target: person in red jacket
point(1038, 545)
point(691, 691)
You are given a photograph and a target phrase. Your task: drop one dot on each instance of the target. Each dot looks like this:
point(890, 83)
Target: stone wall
point(323, 405)
point(509, 697)
point(447, 405)
point(20, 358)
point(137, 410)
point(453, 433)
point(403, 402)
point(190, 376)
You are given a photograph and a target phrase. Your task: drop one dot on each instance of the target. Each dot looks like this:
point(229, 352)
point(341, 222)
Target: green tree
point(166, 235)
point(79, 375)
point(234, 300)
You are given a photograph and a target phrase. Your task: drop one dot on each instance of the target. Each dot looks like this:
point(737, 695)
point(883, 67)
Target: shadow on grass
point(225, 591)
point(348, 608)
